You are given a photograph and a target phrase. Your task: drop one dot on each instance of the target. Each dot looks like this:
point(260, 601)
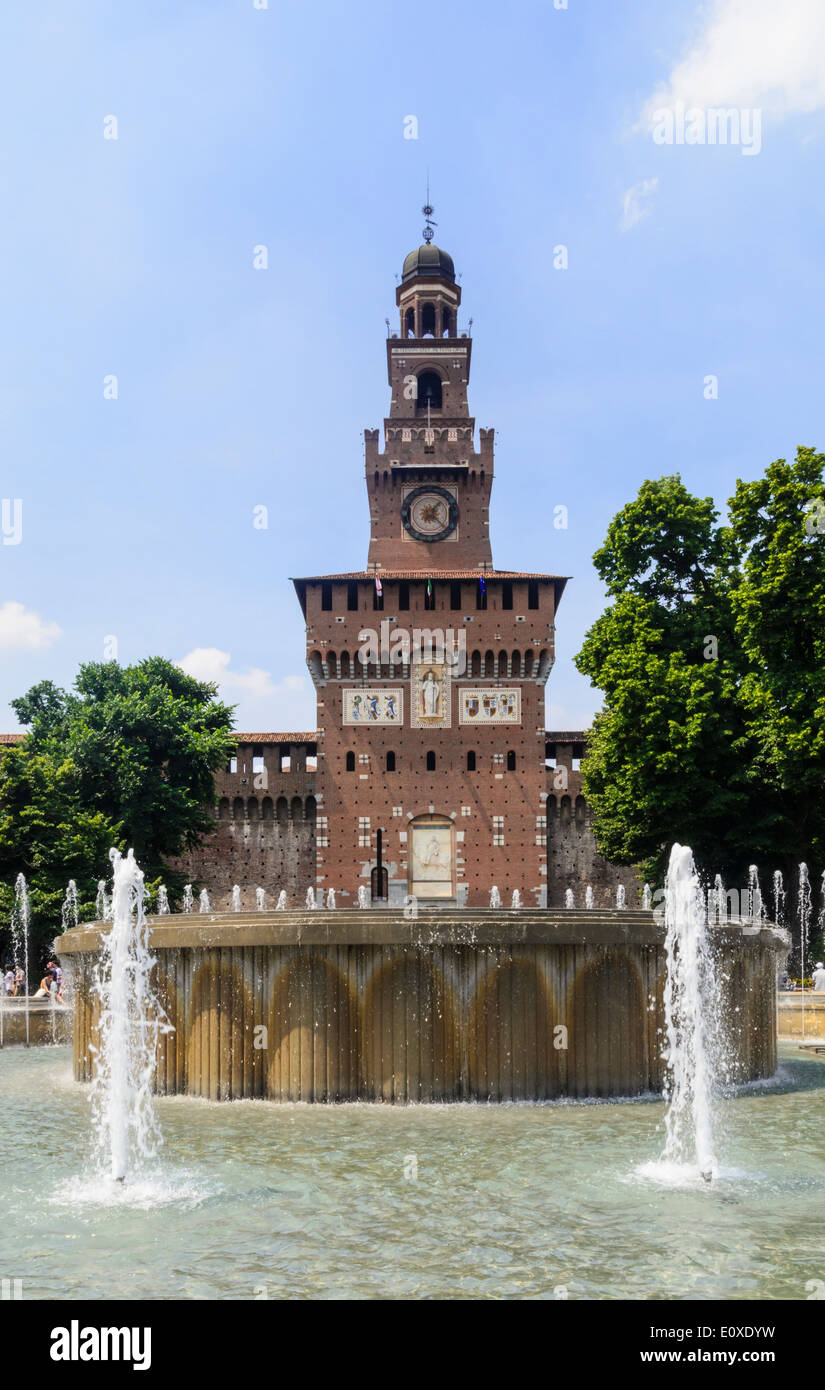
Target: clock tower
point(429, 491)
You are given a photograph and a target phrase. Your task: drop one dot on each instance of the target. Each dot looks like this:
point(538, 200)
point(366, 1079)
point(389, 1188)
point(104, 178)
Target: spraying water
point(260, 899)
point(131, 1021)
point(331, 899)
point(647, 897)
point(691, 1022)
point(754, 894)
point(280, 905)
point(188, 899)
point(588, 898)
point(310, 899)
point(778, 898)
point(516, 899)
point(103, 906)
point(20, 938)
point(363, 897)
point(236, 898)
point(68, 912)
point(804, 924)
point(620, 897)
point(163, 901)
point(569, 898)
point(204, 904)
point(495, 897)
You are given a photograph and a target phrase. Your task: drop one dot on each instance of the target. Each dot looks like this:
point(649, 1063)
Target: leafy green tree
point(126, 759)
point(710, 658)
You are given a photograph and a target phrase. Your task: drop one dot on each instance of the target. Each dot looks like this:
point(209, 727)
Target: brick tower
point(430, 665)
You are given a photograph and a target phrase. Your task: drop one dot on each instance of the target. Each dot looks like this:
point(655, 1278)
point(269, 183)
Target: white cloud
point(23, 630)
point(263, 705)
point(632, 209)
point(751, 53)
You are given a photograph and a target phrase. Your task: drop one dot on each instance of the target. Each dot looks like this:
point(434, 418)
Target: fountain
point(804, 911)
point(779, 898)
point(647, 897)
point(280, 905)
point(236, 899)
point(569, 898)
point(588, 898)
point(204, 904)
point(310, 900)
point(260, 899)
point(20, 939)
point(103, 907)
point(691, 1019)
point(755, 912)
point(620, 897)
point(495, 897)
point(363, 896)
point(331, 899)
point(68, 912)
point(130, 1024)
point(188, 899)
point(516, 899)
point(163, 901)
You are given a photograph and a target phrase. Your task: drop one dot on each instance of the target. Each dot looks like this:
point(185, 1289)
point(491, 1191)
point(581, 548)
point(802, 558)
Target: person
point(45, 987)
point(8, 980)
point(819, 978)
point(18, 981)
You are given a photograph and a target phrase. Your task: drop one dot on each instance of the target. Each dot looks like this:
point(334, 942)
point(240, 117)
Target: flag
point(378, 588)
point(482, 581)
point(429, 588)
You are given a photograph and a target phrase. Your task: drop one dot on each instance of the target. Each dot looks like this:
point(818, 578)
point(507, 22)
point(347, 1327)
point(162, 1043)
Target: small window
point(258, 763)
point(481, 597)
point(429, 597)
point(532, 594)
point(455, 596)
point(326, 598)
point(511, 761)
point(431, 762)
point(403, 596)
point(390, 762)
point(428, 321)
point(506, 594)
point(350, 762)
point(233, 764)
point(352, 598)
point(429, 392)
point(471, 761)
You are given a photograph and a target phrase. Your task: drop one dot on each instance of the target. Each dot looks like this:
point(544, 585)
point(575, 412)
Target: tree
point(710, 658)
point(127, 759)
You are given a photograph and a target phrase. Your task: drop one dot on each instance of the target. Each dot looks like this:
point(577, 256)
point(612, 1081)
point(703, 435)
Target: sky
point(683, 335)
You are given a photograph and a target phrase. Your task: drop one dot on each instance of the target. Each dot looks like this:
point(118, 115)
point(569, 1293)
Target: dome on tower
point(428, 260)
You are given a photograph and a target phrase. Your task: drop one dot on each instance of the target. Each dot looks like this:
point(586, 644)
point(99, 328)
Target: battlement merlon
point(450, 453)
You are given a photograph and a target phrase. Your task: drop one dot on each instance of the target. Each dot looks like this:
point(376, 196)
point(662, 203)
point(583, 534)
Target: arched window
point(428, 321)
point(429, 391)
point(502, 664)
point(471, 761)
point(489, 664)
point(445, 323)
point(409, 323)
point(223, 808)
point(528, 663)
point(390, 762)
point(511, 761)
point(350, 762)
point(431, 761)
point(475, 664)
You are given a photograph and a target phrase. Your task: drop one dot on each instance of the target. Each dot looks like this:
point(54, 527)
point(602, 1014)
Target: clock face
point(429, 513)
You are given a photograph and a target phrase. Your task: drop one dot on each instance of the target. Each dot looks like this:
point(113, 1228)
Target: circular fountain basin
point(451, 1005)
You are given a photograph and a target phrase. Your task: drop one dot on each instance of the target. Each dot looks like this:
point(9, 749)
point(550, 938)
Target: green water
point(509, 1202)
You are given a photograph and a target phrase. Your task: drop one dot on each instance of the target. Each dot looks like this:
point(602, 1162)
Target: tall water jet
point(569, 898)
point(754, 894)
point(620, 897)
point(331, 899)
point(691, 1019)
point(20, 938)
point(188, 899)
point(363, 896)
point(131, 1021)
point(495, 897)
point(163, 901)
point(310, 899)
point(103, 906)
point(588, 898)
point(260, 899)
point(236, 898)
point(804, 911)
point(204, 904)
point(779, 898)
point(68, 912)
point(647, 897)
point(280, 905)
point(516, 899)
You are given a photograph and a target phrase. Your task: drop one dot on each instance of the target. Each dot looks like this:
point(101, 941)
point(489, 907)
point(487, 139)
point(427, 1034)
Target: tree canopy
point(126, 759)
point(711, 658)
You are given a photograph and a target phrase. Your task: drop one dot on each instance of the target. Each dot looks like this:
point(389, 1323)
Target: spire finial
point(428, 210)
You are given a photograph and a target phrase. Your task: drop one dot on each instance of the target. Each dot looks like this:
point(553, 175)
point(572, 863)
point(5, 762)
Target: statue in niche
point(430, 695)
point(431, 854)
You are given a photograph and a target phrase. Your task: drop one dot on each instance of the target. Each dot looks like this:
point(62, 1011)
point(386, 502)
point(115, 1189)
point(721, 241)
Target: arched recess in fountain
point(164, 989)
point(312, 1033)
point(608, 1052)
point(219, 1054)
point(411, 1043)
point(511, 1053)
point(748, 999)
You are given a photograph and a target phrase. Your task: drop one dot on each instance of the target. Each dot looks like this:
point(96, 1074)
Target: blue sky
point(238, 387)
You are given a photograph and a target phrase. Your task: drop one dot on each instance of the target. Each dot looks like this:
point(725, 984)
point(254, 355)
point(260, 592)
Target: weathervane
point(428, 211)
